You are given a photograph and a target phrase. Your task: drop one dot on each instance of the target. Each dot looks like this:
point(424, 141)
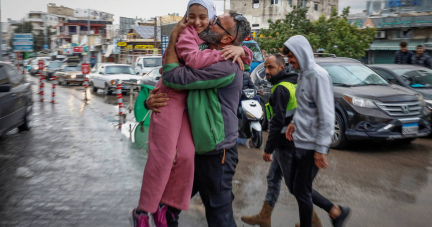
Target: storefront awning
point(394, 44)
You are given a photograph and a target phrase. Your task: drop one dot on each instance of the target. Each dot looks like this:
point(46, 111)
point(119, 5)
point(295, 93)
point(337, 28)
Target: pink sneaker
point(160, 216)
point(140, 220)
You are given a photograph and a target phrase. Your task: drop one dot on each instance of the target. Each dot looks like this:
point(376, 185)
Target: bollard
point(41, 87)
point(120, 103)
point(85, 88)
point(54, 84)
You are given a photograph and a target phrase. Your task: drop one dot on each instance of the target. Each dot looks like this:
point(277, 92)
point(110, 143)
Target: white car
point(145, 64)
point(107, 75)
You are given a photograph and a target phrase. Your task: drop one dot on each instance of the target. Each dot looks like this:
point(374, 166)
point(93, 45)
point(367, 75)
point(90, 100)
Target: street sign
point(78, 49)
point(122, 44)
point(147, 47)
point(41, 64)
point(23, 42)
point(45, 46)
point(85, 68)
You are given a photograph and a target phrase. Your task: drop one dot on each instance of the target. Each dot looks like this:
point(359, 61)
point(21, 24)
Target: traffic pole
point(42, 92)
point(85, 88)
point(120, 103)
point(54, 84)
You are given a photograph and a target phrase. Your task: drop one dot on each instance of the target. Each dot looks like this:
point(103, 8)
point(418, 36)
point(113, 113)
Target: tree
point(334, 35)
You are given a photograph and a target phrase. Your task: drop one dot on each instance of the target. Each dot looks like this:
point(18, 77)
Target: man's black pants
point(213, 180)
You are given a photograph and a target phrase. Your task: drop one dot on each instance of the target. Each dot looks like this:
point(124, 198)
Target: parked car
point(52, 68)
point(368, 107)
point(257, 57)
point(69, 74)
point(34, 69)
point(144, 64)
point(152, 77)
point(413, 77)
point(107, 76)
point(16, 102)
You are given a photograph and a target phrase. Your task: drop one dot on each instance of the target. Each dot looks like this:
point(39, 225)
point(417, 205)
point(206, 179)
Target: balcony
point(36, 19)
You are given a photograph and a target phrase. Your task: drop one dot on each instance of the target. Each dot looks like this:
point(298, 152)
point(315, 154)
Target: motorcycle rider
point(280, 110)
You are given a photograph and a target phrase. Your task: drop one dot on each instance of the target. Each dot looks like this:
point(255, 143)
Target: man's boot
point(316, 221)
point(263, 219)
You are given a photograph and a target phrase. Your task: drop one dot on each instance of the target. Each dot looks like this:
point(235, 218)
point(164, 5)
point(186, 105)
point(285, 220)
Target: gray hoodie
point(314, 118)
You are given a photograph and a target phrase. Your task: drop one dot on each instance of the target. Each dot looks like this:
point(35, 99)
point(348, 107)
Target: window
point(290, 2)
point(386, 75)
point(13, 75)
point(316, 7)
point(255, 4)
point(303, 3)
point(3, 77)
point(274, 2)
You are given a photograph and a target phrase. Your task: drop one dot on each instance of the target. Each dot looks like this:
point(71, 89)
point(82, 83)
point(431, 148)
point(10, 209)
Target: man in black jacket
point(403, 56)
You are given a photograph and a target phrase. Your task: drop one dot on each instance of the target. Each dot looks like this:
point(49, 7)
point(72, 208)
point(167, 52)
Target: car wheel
point(107, 91)
point(93, 88)
point(28, 121)
point(339, 138)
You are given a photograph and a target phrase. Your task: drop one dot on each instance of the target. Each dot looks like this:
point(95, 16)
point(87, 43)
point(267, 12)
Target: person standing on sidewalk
point(421, 58)
point(311, 129)
point(403, 56)
point(280, 110)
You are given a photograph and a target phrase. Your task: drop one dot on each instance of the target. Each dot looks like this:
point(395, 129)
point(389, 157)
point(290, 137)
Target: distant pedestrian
point(421, 58)
point(403, 56)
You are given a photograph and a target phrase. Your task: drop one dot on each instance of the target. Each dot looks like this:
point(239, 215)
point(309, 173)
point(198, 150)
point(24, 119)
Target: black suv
point(368, 107)
point(15, 100)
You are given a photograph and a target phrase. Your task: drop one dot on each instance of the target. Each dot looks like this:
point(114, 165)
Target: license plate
point(409, 129)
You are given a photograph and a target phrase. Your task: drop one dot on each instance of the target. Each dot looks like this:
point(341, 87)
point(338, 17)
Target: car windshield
point(119, 70)
point(72, 68)
point(55, 64)
point(257, 55)
point(352, 74)
point(152, 62)
point(419, 78)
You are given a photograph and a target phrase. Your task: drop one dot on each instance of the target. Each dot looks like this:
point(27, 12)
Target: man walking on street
point(403, 56)
point(280, 110)
point(421, 58)
point(214, 94)
point(311, 129)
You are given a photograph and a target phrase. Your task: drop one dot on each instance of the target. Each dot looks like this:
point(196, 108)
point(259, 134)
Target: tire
point(256, 138)
point(93, 88)
point(339, 139)
point(27, 121)
point(107, 91)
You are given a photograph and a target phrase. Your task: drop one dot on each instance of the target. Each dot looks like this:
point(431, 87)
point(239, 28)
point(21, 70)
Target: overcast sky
point(17, 9)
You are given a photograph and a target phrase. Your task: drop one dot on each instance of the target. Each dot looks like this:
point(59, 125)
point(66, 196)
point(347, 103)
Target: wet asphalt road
point(75, 168)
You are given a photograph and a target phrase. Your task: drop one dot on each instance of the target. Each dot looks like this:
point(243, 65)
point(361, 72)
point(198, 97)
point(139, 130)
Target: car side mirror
point(158, 78)
point(5, 88)
point(137, 73)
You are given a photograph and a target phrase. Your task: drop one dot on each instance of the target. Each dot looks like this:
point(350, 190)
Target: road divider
point(54, 84)
point(120, 103)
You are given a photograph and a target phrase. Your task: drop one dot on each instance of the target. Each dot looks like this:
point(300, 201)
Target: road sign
point(23, 42)
point(78, 49)
point(122, 44)
point(41, 64)
point(85, 68)
point(45, 46)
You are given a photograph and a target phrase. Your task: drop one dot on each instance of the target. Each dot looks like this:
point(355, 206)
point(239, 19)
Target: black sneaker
point(339, 221)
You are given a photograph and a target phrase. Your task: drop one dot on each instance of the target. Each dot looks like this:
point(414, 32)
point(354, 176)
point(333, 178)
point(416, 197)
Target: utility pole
point(88, 36)
point(155, 32)
point(1, 37)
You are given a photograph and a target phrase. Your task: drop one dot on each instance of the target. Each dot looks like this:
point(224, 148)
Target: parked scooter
point(251, 114)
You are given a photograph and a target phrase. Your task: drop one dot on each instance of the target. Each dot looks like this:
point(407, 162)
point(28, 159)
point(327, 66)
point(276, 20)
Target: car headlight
point(428, 104)
point(361, 102)
point(73, 76)
point(44, 69)
point(113, 82)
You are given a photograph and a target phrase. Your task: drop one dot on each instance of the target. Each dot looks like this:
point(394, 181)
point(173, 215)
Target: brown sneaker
point(316, 222)
point(263, 219)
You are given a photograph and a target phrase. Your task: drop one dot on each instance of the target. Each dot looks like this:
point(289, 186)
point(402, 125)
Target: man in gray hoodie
point(312, 127)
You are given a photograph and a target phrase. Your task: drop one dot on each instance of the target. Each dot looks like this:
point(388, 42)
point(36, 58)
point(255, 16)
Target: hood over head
point(208, 4)
point(302, 49)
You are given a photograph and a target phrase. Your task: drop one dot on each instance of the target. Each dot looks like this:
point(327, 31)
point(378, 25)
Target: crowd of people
point(194, 127)
point(407, 57)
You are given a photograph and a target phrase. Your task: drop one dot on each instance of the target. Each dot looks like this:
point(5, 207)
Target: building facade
point(94, 14)
point(258, 12)
point(52, 8)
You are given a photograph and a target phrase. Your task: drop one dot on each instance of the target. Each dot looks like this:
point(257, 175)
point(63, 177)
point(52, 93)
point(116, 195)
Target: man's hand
point(154, 101)
point(289, 132)
point(234, 52)
point(321, 160)
point(181, 25)
point(267, 157)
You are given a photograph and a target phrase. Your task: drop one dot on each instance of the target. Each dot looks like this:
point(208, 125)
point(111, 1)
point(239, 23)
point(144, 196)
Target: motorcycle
point(251, 114)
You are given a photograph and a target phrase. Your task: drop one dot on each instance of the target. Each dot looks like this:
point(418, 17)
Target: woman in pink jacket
point(169, 171)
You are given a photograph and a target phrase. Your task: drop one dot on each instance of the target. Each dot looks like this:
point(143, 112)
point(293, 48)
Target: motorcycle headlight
point(250, 94)
point(361, 102)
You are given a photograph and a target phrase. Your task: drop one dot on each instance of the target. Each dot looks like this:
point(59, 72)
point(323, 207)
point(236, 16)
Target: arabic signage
point(78, 49)
point(400, 3)
point(141, 47)
point(122, 44)
point(392, 22)
point(23, 42)
point(129, 47)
